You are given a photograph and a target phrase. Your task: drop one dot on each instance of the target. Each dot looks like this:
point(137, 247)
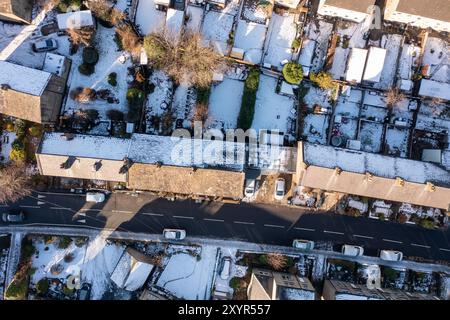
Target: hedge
point(90, 55)
point(86, 69)
point(248, 99)
point(112, 79)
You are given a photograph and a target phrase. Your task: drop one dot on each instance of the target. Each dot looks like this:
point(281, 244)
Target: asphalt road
point(249, 222)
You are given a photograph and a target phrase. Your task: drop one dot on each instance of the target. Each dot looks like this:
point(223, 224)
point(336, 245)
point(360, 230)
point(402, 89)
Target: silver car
point(45, 45)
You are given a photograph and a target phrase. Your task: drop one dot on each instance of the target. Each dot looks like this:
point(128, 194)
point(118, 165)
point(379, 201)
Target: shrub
point(234, 282)
point(34, 130)
point(323, 80)
point(135, 96)
point(277, 261)
point(20, 128)
point(426, 223)
point(73, 5)
point(28, 250)
point(42, 286)
point(81, 241)
point(67, 291)
point(18, 155)
point(248, 99)
point(112, 79)
point(64, 242)
point(293, 72)
point(82, 36)
point(18, 145)
point(9, 127)
point(262, 259)
point(86, 69)
point(129, 40)
point(295, 44)
point(115, 115)
point(18, 289)
point(68, 258)
point(90, 55)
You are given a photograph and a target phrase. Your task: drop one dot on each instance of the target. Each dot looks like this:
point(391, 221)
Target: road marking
point(40, 196)
point(305, 229)
point(40, 203)
point(82, 221)
point(243, 222)
point(215, 220)
point(333, 232)
point(183, 217)
point(36, 207)
point(273, 226)
point(361, 236)
point(394, 241)
point(121, 211)
point(90, 210)
point(420, 245)
point(83, 214)
point(448, 250)
point(152, 214)
point(60, 208)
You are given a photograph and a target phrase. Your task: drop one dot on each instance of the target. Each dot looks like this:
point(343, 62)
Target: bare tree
point(116, 16)
point(183, 57)
point(129, 39)
point(276, 260)
point(14, 183)
point(83, 35)
point(394, 97)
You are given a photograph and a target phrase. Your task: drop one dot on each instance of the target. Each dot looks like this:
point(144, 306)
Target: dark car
point(85, 292)
point(13, 216)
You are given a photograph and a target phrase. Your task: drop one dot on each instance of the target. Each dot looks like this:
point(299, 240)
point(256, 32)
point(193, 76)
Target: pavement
point(256, 223)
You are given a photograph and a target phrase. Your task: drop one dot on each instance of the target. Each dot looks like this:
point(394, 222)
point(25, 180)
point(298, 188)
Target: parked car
point(85, 292)
point(351, 250)
point(174, 234)
point(96, 197)
point(13, 216)
point(49, 28)
point(279, 189)
point(77, 190)
point(391, 255)
point(45, 45)
point(226, 268)
point(303, 244)
point(250, 185)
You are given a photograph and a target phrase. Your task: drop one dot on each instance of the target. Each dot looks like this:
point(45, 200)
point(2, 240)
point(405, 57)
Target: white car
point(45, 45)
point(250, 188)
point(354, 251)
point(174, 234)
point(96, 197)
point(280, 189)
point(303, 244)
point(391, 255)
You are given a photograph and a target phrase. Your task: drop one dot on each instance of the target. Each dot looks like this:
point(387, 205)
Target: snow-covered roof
point(307, 52)
point(174, 20)
point(288, 3)
point(149, 149)
point(75, 20)
point(54, 63)
point(377, 164)
point(23, 79)
point(374, 65)
point(434, 89)
point(130, 274)
point(355, 66)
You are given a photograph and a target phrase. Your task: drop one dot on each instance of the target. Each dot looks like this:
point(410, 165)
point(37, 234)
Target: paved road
point(249, 222)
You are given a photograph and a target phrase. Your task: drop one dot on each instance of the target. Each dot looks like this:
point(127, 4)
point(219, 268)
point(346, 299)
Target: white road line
point(243, 222)
point(60, 208)
point(420, 245)
point(333, 232)
point(273, 226)
point(305, 229)
point(215, 220)
point(121, 211)
point(394, 241)
point(90, 210)
point(4, 206)
point(361, 236)
point(152, 214)
point(82, 221)
point(448, 250)
point(36, 207)
point(83, 214)
point(183, 217)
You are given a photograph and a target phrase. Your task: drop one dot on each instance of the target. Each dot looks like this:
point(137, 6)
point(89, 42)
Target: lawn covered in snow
point(216, 29)
point(371, 136)
point(94, 261)
point(188, 277)
point(315, 128)
point(319, 33)
point(397, 141)
point(108, 62)
point(225, 104)
point(6, 140)
point(148, 19)
point(272, 111)
point(250, 37)
point(391, 43)
point(195, 15)
point(282, 32)
point(437, 55)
